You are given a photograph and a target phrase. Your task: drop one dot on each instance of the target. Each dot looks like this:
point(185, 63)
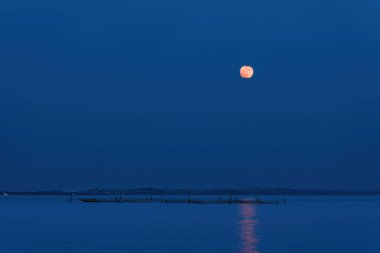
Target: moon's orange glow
point(246, 71)
point(248, 222)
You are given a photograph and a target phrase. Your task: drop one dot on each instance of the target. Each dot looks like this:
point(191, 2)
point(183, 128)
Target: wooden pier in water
point(183, 200)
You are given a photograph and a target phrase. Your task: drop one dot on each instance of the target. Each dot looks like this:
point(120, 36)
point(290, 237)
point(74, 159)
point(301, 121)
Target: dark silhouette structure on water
point(179, 200)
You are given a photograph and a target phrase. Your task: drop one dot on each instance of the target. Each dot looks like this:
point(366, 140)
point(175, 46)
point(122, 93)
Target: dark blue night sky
point(133, 93)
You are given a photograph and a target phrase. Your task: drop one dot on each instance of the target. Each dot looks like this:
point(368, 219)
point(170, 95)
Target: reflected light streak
point(247, 228)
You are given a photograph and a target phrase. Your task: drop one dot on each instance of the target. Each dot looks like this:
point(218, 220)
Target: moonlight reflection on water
point(247, 228)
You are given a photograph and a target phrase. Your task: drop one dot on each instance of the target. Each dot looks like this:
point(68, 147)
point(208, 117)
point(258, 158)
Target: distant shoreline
point(190, 191)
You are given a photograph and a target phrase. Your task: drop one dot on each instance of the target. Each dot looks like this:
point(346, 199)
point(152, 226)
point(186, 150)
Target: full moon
point(246, 71)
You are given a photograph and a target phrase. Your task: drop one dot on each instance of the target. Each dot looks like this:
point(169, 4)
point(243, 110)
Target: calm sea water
point(305, 224)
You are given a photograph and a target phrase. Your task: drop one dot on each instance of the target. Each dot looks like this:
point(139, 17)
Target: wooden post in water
point(230, 199)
